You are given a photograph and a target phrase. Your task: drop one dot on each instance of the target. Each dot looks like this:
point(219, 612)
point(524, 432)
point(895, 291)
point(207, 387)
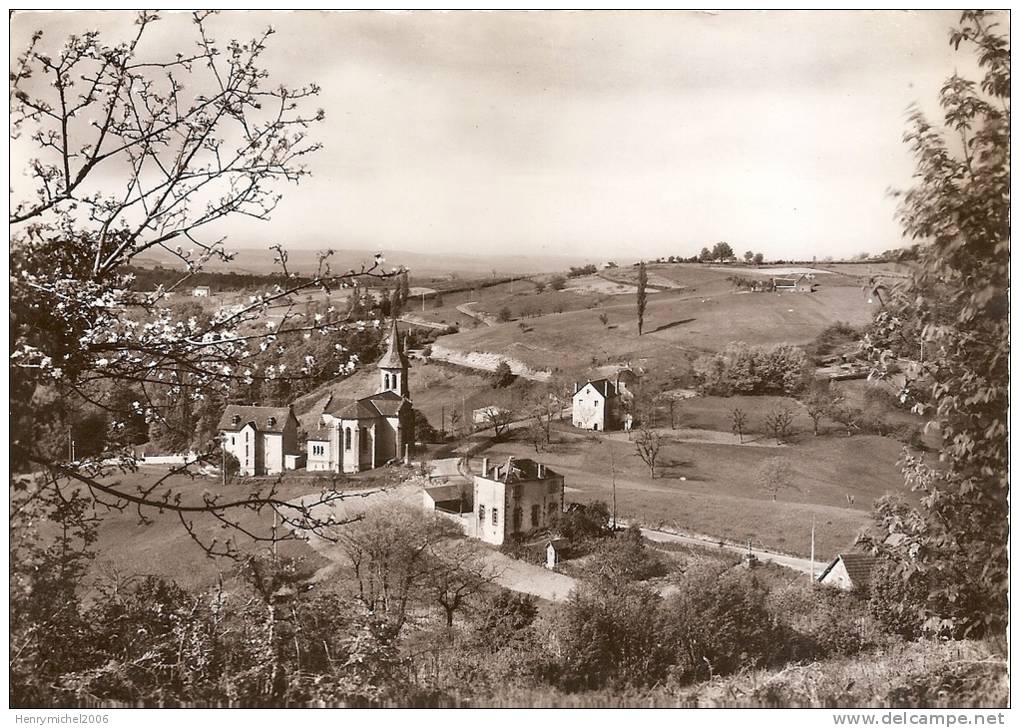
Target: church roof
point(385, 404)
point(394, 358)
point(266, 419)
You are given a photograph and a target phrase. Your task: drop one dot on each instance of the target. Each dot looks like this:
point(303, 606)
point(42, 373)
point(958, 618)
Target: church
point(366, 433)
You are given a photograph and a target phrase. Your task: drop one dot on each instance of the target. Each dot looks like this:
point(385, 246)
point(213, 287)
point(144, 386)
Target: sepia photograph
point(509, 359)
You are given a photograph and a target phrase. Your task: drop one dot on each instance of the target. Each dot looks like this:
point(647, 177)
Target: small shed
point(849, 572)
point(452, 498)
point(201, 291)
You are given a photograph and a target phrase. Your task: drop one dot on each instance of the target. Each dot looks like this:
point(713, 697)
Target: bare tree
point(130, 152)
point(739, 418)
point(773, 475)
point(778, 423)
point(821, 399)
point(846, 415)
point(647, 444)
point(499, 419)
point(460, 572)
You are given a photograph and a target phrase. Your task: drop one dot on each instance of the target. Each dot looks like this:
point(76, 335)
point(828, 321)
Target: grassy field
point(676, 325)
point(719, 494)
point(127, 547)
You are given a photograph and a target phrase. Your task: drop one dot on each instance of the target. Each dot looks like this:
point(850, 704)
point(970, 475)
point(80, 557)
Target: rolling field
point(720, 496)
point(676, 325)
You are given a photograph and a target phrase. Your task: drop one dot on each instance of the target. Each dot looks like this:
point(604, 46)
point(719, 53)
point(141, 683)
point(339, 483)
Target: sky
point(593, 134)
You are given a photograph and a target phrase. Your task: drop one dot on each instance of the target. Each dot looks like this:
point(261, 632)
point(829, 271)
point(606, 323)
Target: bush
point(719, 623)
point(583, 521)
point(824, 622)
point(743, 369)
point(557, 283)
point(503, 376)
point(626, 558)
point(505, 314)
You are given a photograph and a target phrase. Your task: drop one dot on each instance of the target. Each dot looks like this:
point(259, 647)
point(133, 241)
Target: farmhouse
point(201, 291)
point(600, 404)
point(518, 496)
point(849, 572)
point(368, 432)
point(263, 439)
point(801, 284)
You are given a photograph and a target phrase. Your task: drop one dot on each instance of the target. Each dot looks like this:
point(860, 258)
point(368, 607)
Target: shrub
point(744, 369)
point(505, 314)
point(719, 623)
point(503, 376)
point(557, 283)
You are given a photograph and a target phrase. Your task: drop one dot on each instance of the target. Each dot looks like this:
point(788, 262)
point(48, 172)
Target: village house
point(201, 291)
point(849, 572)
point(800, 284)
point(263, 439)
point(513, 498)
point(365, 433)
point(601, 404)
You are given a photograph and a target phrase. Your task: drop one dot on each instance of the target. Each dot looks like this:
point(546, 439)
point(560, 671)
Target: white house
point(261, 438)
point(201, 291)
point(514, 498)
point(600, 404)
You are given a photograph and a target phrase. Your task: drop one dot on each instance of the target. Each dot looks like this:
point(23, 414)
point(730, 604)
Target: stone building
point(513, 498)
point(601, 404)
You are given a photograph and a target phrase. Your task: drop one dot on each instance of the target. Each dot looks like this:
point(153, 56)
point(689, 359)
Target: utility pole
point(223, 462)
point(423, 301)
point(812, 549)
point(442, 421)
point(612, 466)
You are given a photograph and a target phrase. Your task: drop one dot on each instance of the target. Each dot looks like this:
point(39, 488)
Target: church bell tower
point(393, 366)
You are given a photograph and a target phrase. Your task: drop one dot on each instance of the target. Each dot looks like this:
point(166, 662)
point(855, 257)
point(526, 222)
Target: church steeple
point(394, 365)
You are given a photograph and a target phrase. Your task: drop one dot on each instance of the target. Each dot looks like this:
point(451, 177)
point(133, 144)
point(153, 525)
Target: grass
point(127, 547)
point(720, 496)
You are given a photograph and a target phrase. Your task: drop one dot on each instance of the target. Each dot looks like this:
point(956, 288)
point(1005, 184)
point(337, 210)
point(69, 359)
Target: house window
point(481, 514)
point(386, 381)
point(347, 439)
point(231, 439)
point(517, 519)
point(552, 511)
point(535, 515)
point(495, 516)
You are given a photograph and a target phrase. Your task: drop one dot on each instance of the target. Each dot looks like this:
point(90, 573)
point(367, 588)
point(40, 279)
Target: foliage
point(503, 376)
point(719, 623)
point(722, 251)
point(759, 258)
point(837, 338)
point(557, 283)
point(956, 304)
point(505, 314)
point(625, 558)
point(585, 521)
point(744, 369)
point(583, 270)
point(822, 398)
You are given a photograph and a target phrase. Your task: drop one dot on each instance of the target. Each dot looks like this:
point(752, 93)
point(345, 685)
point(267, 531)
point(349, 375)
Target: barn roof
point(858, 567)
point(236, 416)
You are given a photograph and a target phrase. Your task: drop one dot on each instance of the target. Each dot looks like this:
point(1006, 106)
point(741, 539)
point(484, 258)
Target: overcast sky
point(602, 134)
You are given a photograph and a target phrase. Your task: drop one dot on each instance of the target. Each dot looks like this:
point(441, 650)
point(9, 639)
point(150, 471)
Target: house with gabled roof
point(361, 434)
point(513, 498)
point(263, 439)
point(849, 572)
point(600, 404)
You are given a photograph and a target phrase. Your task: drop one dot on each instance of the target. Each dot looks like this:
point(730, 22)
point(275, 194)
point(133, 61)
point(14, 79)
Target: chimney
point(236, 419)
point(541, 471)
point(485, 467)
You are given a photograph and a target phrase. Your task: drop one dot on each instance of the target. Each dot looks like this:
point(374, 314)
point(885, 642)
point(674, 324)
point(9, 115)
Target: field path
point(805, 566)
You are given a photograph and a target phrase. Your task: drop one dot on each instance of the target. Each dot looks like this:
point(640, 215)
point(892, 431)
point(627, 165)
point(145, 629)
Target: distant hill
point(258, 261)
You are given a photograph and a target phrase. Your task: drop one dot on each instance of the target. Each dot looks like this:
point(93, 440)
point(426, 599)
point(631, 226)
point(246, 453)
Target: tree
point(647, 444)
point(957, 298)
point(133, 150)
point(759, 258)
point(739, 419)
point(778, 423)
point(539, 285)
point(773, 475)
point(722, 251)
point(822, 397)
point(557, 283)
point(503, 376)
point(460, 573)
point(705, 255)
point(505, 314)
point(748, 256)
point(391, 550)
point(499, 419)
point(846, 415)
point(642, 296)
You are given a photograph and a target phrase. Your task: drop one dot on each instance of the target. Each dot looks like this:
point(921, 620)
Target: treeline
point(744, 369)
